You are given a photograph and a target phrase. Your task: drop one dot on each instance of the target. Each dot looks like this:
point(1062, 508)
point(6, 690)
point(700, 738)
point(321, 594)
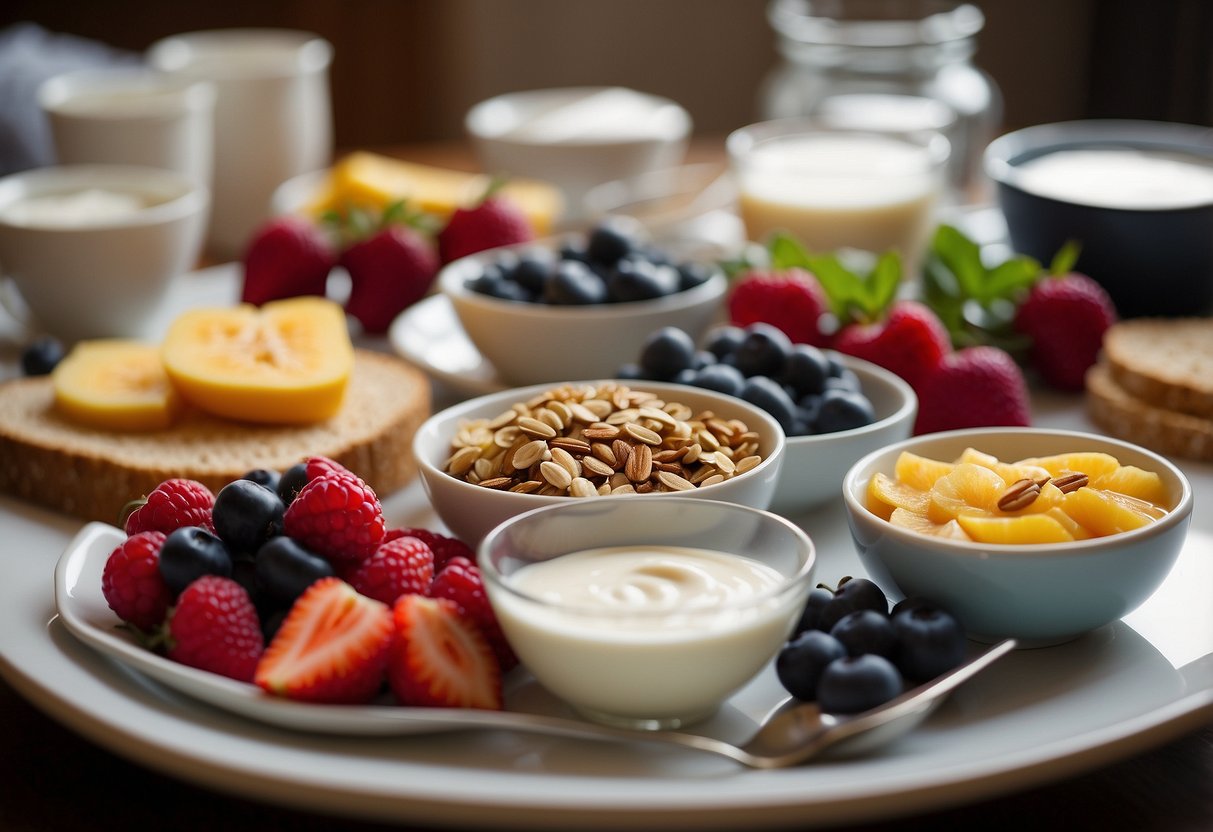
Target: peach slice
point(1106, 512)
point(967, 489)
point(924, 525)
point(1009, 471)
point(886, 494)
point(115, 384)
point(1025, 528)
point(919, 471)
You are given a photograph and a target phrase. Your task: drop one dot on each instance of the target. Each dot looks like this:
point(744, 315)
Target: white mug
point(131, 116)
point(273, 117)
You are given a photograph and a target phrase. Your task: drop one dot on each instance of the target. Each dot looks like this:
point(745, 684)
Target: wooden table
point(52, 780)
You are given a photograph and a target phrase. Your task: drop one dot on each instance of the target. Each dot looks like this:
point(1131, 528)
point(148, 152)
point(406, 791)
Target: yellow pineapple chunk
point(1009, 471)
point(1106, 512)
point(1076, 530)
point(1092, 463)
point(1026, 528)
point(924, 525)
point(886, 494)
point(967, 489)
point(919, 471)
point(1134, 482)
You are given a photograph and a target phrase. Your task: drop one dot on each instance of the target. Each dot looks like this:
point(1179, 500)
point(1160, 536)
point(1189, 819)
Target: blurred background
point(408, 70)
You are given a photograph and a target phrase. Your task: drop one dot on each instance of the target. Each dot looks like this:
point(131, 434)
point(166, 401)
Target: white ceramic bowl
point(659, 663)
point(103, 274)
point(814, 466)
point(534, 343)
point(578, 137)
point(1040, 593)
point(470, 511)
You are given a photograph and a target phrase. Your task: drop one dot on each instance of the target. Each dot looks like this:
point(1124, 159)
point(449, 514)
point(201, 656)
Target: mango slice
point(1026, 528)
point(287, 362)
point(115, 384)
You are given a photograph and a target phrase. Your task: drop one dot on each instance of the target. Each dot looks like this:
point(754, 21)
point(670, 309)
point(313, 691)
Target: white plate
point(428, 334)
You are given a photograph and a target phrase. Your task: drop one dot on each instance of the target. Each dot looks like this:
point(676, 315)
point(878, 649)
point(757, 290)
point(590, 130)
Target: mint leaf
point(787, 252)
point(1065, 258)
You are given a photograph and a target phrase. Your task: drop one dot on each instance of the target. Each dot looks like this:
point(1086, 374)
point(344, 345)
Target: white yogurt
point(646, 633)
point(1131, 179)
point(92, 206)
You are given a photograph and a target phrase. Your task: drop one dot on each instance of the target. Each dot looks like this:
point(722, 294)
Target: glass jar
point(888, 64)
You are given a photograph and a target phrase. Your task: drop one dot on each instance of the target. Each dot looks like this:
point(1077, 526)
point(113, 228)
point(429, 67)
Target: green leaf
point(787, 252)
point(962, 257)
point(1011, 277)
point(1065, 258)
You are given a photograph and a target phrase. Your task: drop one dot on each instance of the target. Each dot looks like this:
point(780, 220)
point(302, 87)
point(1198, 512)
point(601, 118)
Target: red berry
point(496, 221)
point(439, 659)
point(973, 387)
point(1066, 318)
point(214, 627)
point(132, 584)
point(171, 505)
point(911, 341)
point(398, 566)
point(389, 272)
point(791, 300)
point(443, 547)
point(338, 517)
point(288, 257)
point(332, 647)
point(318, 466)
point(460, 581)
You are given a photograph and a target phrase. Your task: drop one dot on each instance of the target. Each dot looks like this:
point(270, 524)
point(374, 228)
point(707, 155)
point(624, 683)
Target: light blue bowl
point(1039, 594)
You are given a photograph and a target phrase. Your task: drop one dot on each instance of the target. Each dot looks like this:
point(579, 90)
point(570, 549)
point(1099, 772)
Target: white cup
point(273, 117)
point(131, 116)
point(92, 250)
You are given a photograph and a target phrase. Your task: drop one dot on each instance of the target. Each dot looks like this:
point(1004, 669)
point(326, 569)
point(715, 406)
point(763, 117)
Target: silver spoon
point(791, 736)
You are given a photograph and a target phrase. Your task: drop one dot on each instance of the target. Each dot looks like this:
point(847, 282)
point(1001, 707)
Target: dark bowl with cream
point(1136, 195)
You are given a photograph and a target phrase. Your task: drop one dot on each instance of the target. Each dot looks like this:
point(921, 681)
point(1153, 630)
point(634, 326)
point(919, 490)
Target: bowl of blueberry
point(834, 408)
point(578, 307)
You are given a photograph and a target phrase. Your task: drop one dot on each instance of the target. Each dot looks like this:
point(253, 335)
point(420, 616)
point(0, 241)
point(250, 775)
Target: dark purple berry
point(246, 514)
point(859, 683)
point(866, 631)
point(930, 642)
point(285, 568)
point(802, 661)
point(191, 552)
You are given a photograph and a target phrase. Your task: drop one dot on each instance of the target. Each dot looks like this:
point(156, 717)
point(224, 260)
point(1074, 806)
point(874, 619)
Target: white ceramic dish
point(1039, 716)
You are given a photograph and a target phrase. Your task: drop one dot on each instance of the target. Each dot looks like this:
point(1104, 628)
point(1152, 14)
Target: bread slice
point(1168, 432)
point(92, 474)
point(1167, 362)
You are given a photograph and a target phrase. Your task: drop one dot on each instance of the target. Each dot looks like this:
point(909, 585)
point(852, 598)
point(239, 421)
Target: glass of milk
point(839, 187)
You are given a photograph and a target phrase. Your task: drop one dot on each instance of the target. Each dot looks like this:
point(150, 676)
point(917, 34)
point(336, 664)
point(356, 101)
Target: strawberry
point(443, 546)
point(171, 505)
point(131, 581)
point(495, 221)
point(214, 627)
point(1066, 317)
point(460, 581)
point(337, 516)
point(287, 257)
point(439, 659)
point(789, 299)
point(398, 566)
point(389, 271)
point(910, 341)
point(978, 386)
point(332, 647)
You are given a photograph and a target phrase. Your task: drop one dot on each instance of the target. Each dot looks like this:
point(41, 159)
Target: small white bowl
point(1040, 593)
point(814, 466)
point(578, 137)
point(470, 510)
point(536, 343)
point(675, 656)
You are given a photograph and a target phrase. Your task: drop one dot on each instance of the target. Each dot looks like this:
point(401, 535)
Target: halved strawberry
point(439, 659)
point(332, 647)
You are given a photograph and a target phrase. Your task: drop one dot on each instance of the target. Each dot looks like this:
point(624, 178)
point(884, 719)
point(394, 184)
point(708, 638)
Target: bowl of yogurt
point(646, 614)
point(1137, 196)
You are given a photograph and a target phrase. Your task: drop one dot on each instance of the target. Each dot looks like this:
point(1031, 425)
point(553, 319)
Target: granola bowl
point(642, 440)
point(1042, 592)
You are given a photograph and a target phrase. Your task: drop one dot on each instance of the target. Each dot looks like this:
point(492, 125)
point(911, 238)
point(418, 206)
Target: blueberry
point(285, 568)
point(723, 340)
point(866, 631)
point(686, 376)
point(703, 358)
point(246, 514)
point(574, 284)
point(264, 476)
point(191, 552)
point(930, 641)
point(857, 683)
point(667, 352)
point(853, 594)
point(41, 356)
point(271, 623)
point(532, 271)
point(633, 280)
point(608, 243)
point(763, 352)
point(691, 274)
point(630, 372)
point(720, 377)
point(496, 286)
point(293, 479)
point(806, 370)
point(768, 395)
point(571, 249)
point(802, 661)
point(843, 410)
point(846, 380)
point(810, 618)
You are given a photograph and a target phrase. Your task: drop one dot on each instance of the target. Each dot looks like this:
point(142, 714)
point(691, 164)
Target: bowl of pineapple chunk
point(1027, 533)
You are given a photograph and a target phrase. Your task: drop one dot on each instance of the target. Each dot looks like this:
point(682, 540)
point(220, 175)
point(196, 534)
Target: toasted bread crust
point(92, 474)
point(1166, 362)
point(1122, 414)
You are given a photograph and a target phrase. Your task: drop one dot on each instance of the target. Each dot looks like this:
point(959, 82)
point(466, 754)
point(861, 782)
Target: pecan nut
point(1071, 482)
point(1020, 494)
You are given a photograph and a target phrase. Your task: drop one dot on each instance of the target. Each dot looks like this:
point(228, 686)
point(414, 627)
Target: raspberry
point(791, 300)
point(131, 581)
point(399, 565)
point(1066, 318)
point(443, 547)
point(338, 517)
point(460, 581)
point(318, 466)
point(214, 627)
point(171, 505)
